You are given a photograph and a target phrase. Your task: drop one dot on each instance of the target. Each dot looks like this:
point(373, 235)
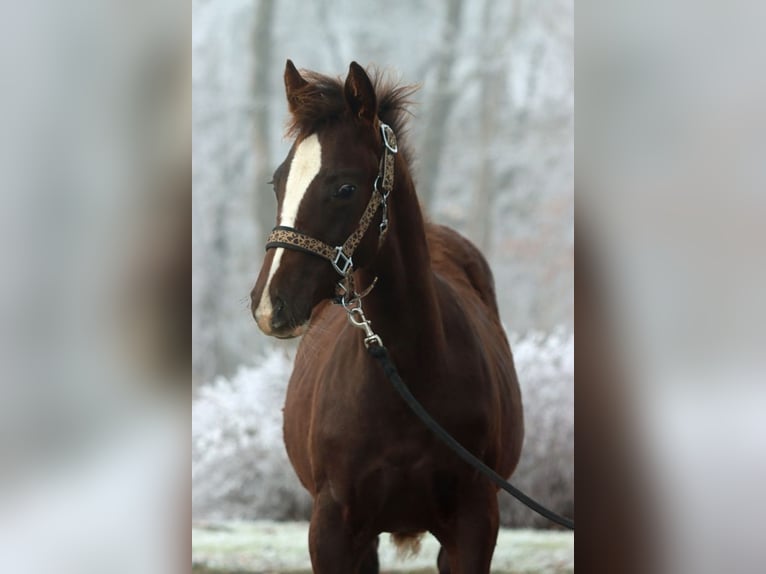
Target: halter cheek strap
point(340, 256)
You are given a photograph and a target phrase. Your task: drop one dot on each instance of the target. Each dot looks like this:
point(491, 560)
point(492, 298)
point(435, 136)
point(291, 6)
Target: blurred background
point(492, 132)
point(96, 115)
point(95, 197)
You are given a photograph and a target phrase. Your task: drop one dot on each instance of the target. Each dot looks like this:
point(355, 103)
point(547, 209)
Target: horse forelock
point(322, 101)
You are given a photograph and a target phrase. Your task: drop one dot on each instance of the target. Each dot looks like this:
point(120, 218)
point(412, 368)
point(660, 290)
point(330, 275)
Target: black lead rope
point(381, 354)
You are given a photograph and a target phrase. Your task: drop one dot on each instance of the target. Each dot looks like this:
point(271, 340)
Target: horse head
point(323, 187)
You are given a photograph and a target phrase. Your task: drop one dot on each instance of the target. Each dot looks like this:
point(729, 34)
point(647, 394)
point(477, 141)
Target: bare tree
point(327, 25)
point(496, 62)
point(442, 101)
point(264, 202)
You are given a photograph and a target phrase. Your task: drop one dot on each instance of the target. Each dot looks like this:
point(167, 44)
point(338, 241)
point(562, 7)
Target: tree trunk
point(439, 110)
point(264, 202)
point(495, 67)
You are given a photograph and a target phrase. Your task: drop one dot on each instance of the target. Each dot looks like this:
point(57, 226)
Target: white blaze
point(304, 167)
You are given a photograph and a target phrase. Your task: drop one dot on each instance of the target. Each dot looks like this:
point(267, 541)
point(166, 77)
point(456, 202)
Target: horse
point(370, 466)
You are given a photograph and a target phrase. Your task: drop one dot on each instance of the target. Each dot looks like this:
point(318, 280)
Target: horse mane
point(322, 101)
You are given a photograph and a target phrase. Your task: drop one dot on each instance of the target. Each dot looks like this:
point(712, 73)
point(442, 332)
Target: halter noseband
point(340, 257)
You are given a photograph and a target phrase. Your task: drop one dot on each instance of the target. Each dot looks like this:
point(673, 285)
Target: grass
point(281, 548)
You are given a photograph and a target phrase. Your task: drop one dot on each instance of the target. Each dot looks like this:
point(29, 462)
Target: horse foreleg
point(442, 561)
point(369, 563)
point(469, 544)
point(334, 547)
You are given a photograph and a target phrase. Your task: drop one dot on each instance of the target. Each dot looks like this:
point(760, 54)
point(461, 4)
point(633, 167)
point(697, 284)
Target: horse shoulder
point(456, 258)
point(300, 400)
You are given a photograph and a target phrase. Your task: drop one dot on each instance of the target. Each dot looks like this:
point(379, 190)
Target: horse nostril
point(279, 313)
point(278, 305)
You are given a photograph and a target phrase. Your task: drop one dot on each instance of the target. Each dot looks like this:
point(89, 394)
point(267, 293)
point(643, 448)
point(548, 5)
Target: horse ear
point(360, 93)
point(293, 82)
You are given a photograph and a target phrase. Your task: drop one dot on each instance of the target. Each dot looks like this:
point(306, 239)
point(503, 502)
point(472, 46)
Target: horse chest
point(346, 427)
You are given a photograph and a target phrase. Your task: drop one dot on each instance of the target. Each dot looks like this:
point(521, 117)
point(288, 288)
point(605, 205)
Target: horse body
point(368, 462)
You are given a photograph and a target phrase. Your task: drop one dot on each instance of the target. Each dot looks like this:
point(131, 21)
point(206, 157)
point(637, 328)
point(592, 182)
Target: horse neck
point(403, 307)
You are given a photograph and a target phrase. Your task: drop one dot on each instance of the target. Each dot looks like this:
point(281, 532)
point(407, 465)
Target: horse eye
point(344, 191)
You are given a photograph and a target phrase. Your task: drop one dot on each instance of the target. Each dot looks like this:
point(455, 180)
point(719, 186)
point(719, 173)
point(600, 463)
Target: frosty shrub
point(545, 366)
point(240, 468)
point(239, 464)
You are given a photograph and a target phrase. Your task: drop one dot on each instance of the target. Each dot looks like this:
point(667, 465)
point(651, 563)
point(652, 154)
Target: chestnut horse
point(370, 465)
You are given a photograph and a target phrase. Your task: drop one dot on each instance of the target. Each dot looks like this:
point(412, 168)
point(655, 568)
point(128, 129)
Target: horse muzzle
point(275, 318)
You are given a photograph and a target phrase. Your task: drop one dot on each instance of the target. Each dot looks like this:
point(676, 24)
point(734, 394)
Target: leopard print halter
point(340, 256)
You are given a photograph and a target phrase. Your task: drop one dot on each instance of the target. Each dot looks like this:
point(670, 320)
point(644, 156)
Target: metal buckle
point(376, 187)
point(385, 130)
point(384, 217)
point(346, 264)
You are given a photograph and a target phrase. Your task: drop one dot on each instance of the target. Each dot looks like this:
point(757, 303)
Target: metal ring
point(385, 129)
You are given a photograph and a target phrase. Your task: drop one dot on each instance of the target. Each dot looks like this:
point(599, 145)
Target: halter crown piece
point(340, 256)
